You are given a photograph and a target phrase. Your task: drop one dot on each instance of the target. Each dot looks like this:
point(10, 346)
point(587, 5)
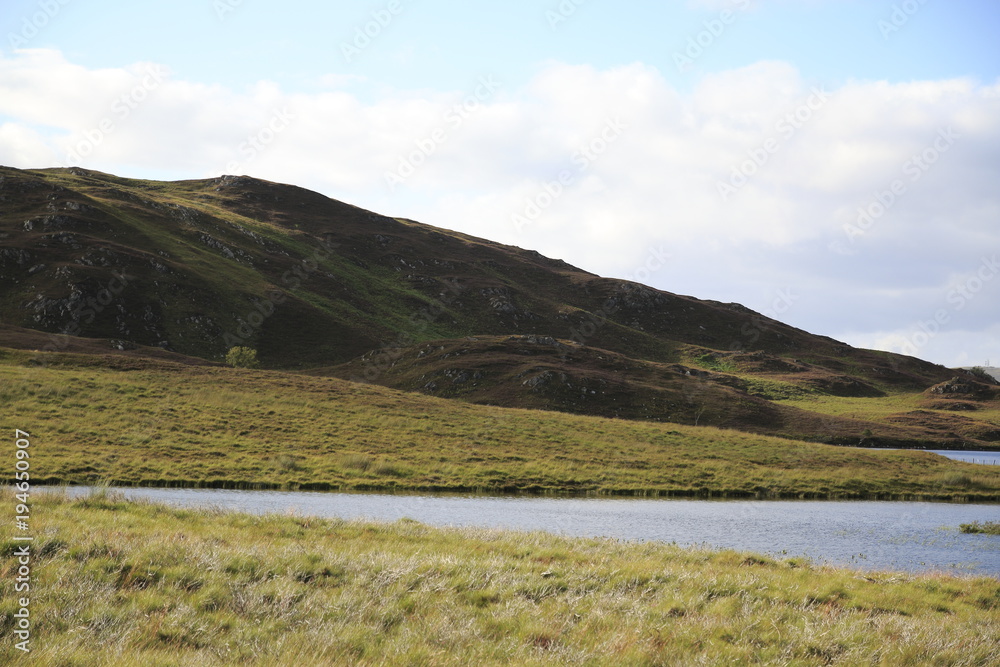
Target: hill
point(129, 420)
point(192, 268)
point(992, 371)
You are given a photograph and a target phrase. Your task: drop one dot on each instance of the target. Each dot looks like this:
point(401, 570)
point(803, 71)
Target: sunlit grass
point(162, 423)
point(134, 583)
point(878, 409)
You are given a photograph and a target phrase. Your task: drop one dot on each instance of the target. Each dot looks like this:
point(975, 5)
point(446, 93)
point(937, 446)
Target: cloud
point(870, 199)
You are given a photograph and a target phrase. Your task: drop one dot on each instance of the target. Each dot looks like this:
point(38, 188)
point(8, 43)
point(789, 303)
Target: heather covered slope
point(754, 392)
point(200, 257)
point(193, 268)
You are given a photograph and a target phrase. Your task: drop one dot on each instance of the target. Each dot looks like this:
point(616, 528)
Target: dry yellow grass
point(122, 583)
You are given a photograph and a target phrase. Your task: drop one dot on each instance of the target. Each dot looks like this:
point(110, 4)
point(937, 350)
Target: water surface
point(911, 536)
point(986, 458)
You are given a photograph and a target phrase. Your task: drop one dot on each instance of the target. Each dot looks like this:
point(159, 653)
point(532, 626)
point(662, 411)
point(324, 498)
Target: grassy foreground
point(156, 423)
point(134, 583)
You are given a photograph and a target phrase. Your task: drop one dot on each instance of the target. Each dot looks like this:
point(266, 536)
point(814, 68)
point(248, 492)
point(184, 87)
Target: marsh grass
point(987, 527)
point(157, 423)
point(135, 583)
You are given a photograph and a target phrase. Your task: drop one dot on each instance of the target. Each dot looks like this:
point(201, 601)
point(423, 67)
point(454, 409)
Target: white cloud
point(957, 347)
point(810, 160)
point(22, 145)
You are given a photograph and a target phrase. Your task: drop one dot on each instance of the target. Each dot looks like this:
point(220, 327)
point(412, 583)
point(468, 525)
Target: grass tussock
point(156, 423)
point(134, 583)
point(986, 527)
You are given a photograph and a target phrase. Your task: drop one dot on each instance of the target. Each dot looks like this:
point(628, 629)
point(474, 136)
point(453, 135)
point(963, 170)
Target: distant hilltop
point(992, 370)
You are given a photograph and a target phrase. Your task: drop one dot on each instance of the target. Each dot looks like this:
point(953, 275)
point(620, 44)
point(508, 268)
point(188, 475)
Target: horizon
point(829, 163)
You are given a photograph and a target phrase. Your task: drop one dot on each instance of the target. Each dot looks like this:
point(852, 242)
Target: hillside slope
point(156, 422)
point(195, 267)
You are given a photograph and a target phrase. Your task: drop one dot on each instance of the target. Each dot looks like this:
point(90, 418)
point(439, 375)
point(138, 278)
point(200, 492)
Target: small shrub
point(242, 357)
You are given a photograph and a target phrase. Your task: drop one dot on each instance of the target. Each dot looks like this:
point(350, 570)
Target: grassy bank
point(123, 583)
point(142, 422)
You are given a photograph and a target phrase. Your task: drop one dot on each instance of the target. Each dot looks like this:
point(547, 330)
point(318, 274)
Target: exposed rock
point(79, 207)
point(62, 238)
point(954, 386)
point(104, 257)
point(57, 222)
point(232, 182)
point(544, 378)
point(958, 387)
point(216, 244)
point(17, 256)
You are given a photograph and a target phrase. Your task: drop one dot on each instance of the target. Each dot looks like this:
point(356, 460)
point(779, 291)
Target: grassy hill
point(192, 268)
point(133, 420)
point(753, 392)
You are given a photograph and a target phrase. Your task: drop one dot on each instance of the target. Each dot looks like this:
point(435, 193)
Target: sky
point(834, 164)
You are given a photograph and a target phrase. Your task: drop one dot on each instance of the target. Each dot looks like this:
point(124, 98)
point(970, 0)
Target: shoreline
point(167, 585)
point(528, 492)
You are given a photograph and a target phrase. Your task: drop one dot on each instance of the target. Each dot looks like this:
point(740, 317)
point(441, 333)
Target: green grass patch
point(773, 390)
point(715, 363)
